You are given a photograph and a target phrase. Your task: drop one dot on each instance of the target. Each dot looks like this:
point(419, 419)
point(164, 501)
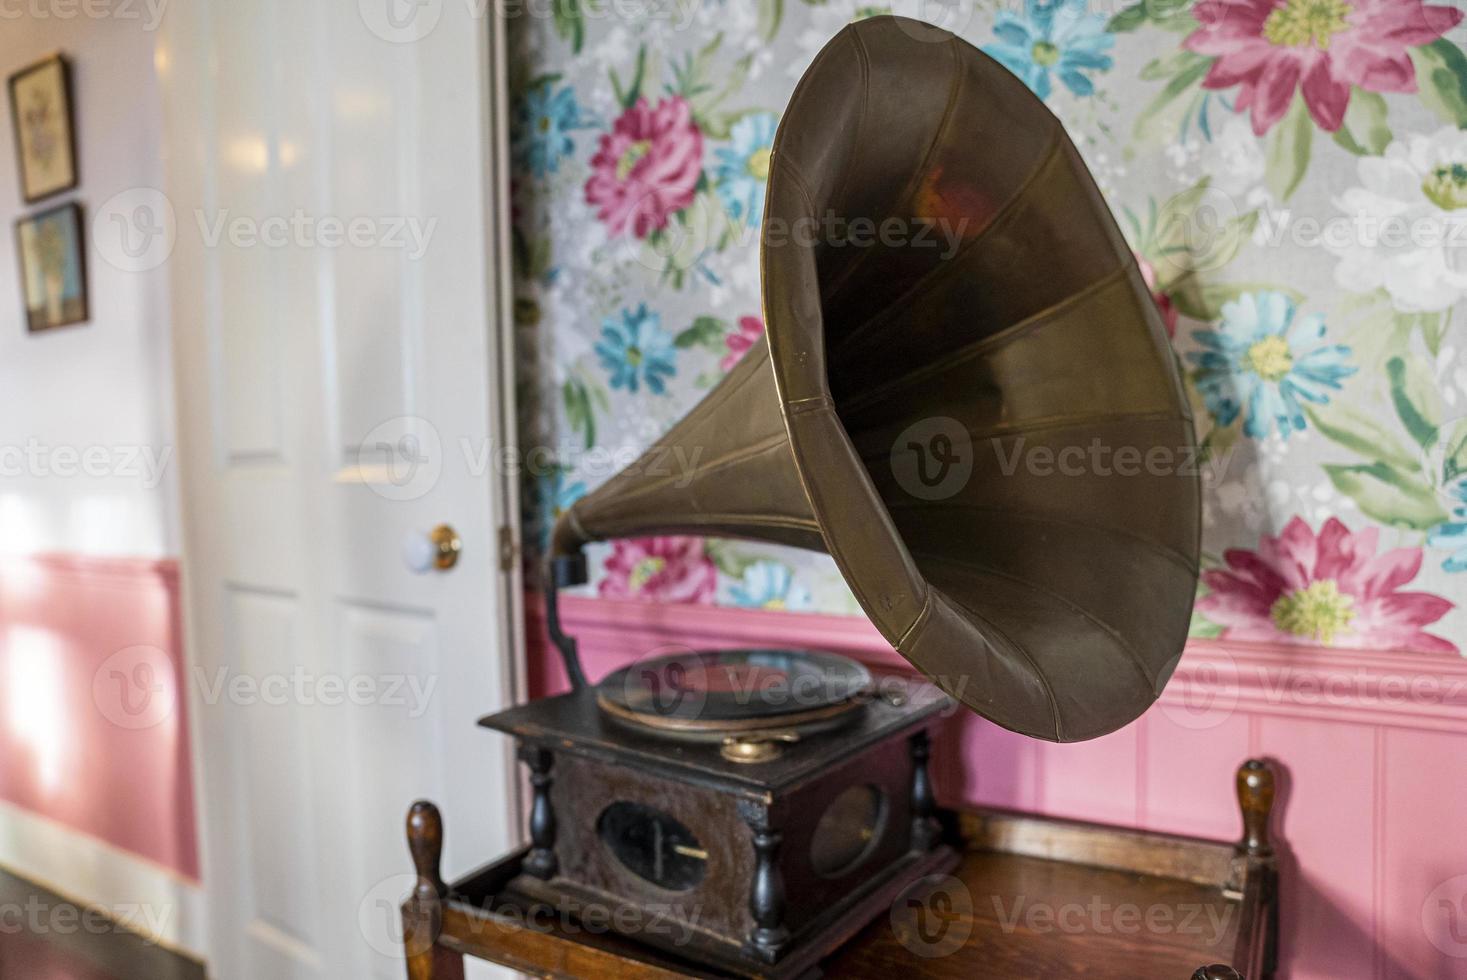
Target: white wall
point(106, 383)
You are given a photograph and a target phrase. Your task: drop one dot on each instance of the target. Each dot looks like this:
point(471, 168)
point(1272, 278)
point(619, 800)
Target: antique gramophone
point(905, 416)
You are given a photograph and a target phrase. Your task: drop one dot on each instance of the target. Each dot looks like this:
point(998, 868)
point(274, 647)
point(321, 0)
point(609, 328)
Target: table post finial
point(422, 913)
point(1255, 798)
point(425, 840)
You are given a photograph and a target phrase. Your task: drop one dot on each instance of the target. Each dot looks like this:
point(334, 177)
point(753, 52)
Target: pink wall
point(93, 733)
point(1372, 749)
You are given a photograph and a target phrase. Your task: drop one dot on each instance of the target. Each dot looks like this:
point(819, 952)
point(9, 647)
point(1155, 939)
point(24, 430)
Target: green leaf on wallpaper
point(570, 22)
point(727, 559)
point(706, 331)
point(1433, 327)
point(1359, 432)
point(1454, 451)
point(1128, 20)
point(1365, 131)
point(1441, 76)
point(771, 12)
point(1204, 300)
point(578, 410)
point(627, 97)
point(1289, 151)
point(1417, 400)
point(1388, 495)
point(1203, 628)
point(1155, 120)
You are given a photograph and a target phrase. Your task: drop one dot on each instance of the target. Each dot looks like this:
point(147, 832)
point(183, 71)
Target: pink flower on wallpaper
point(1272, 48)
point(646, 167)
point(666, 569)
point(1169, 311)
point(1329, 588)
point(751, 328)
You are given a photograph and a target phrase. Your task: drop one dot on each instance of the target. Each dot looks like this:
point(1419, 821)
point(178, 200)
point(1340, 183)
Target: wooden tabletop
point(1020, 917)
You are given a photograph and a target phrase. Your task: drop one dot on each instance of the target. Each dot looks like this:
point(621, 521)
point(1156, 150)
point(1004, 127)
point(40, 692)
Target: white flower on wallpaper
point(1409, 220)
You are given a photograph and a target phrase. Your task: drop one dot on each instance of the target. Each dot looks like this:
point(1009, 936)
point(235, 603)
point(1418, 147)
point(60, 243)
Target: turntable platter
point(730, 691)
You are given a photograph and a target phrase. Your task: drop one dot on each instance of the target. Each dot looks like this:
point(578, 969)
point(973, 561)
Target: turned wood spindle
point(1255, 798)
point(541, 861)
point(924, 824)
point(766, 898)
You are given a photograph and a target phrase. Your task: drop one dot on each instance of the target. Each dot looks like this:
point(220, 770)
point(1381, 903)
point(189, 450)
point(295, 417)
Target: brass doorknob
point(438, 549)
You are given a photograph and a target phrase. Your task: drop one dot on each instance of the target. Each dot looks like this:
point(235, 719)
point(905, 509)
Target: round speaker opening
point(848, 831)
point(652, 845)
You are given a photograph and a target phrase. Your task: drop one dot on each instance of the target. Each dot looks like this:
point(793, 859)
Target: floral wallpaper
point(1291, 174)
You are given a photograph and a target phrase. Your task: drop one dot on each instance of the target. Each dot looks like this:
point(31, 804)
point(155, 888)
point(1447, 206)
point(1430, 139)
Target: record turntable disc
point(710, 694)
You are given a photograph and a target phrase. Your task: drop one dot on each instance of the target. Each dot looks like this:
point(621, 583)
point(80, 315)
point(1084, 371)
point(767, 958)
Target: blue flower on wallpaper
point(1262, 360)
point(742, 168)
point(635, 350)
point(555, 496)
point(1453, 534)
point(1059, 37)
point(769, 585)
point(543, 126)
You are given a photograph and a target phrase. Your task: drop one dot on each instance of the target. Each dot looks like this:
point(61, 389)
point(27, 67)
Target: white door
point(334, 177)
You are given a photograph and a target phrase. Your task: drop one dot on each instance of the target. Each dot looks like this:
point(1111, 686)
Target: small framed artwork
point(53, 270)
point(45, 139)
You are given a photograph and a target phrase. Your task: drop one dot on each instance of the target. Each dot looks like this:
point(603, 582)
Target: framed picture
point(45, 139)
point(53, 270)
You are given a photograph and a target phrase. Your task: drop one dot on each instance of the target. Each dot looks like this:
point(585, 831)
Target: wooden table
point(1034, 898)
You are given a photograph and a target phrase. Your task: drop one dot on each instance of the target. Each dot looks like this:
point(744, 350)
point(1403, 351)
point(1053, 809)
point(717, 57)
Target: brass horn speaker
point(986, 431)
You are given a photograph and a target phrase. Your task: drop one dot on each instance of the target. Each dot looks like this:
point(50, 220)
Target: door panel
point(334, 401)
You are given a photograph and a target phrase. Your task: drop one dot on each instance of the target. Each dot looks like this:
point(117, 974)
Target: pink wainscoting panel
point(1371, 749)
point(93, 733)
